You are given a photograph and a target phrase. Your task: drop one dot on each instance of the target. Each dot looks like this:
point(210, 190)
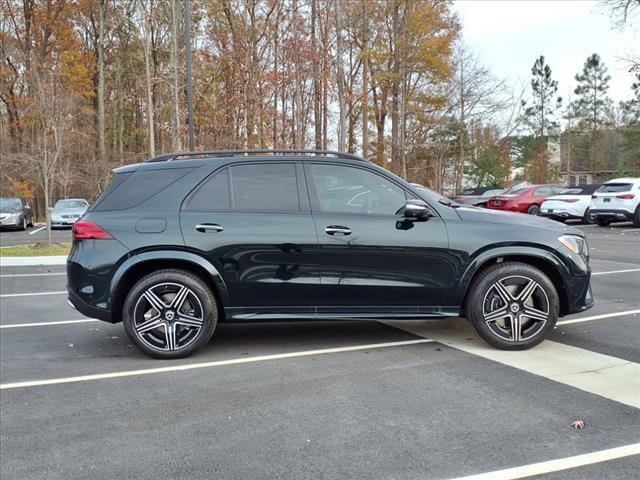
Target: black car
point(478, 196)
point(186, 240)
point(15, 213)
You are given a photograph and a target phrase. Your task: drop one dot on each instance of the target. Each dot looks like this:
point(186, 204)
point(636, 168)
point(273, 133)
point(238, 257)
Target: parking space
point(321, 399)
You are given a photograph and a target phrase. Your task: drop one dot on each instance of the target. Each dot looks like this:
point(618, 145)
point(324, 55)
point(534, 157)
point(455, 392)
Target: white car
point(617, 201)
point(571, 204)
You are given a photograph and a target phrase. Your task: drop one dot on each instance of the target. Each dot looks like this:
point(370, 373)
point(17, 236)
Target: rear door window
point(266, 187)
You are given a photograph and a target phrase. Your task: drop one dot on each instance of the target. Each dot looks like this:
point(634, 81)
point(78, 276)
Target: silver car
point(67, 211)
point(15, 213)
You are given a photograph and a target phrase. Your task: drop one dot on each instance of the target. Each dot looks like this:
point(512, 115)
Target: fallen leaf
point(70, 344)
point(578, 424)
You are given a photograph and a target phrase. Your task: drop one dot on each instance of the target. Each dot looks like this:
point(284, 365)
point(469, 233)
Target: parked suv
point(186, 240)
point(617, 201)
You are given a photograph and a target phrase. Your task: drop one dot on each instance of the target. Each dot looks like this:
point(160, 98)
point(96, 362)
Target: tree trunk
point(394, 85)
point(365, 81)
point(316, 78)
point(176, 141)
point(341, 105)
point(102, 151)
point(150, 108)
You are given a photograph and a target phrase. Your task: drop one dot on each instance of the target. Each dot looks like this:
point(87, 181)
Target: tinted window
point(138, 187)
point(580, 190)
point(516, 191)
point(271, 187)
point(615, 187)
point(213, 194)
point(343, 189)
point(543, 192)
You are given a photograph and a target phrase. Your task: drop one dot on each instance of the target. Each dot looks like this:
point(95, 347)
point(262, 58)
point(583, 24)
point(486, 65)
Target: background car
point(571, 204)
point(524, 199)
point(617, 200)
point(478, 196)
point(15, 213)
point(67, 211)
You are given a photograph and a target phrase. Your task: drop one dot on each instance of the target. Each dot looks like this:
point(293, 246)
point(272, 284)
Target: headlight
point(576, 244)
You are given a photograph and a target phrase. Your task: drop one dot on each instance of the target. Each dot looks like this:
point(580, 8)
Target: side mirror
point(415, 210)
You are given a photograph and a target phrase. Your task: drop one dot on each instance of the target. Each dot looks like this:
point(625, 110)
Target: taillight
point(594, 196)
point(626, 196)
point(89, 231)
point(568, 200)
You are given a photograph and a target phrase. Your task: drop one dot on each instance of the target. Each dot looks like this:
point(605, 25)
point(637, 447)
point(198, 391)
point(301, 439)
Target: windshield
point(70, 204)
point(433, 193)
point(10, 203)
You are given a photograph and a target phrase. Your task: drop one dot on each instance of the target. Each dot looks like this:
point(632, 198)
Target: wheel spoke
point(179, 299)
point(534, 314)
point(516, 326)
point(150, 324)
point(527, 291)
point(155, 301)
point(496, 315)
point(503, 292)
point(170, 336)
point(188, 320)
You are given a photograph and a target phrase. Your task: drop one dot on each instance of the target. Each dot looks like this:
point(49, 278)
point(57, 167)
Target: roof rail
point(167, 157)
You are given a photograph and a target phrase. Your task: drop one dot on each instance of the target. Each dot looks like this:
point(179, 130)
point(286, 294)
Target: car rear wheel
point(533, 210)
point(512, 305)
point(603, 222)
point(170, 314)
point(636, 217)
point(587, 218)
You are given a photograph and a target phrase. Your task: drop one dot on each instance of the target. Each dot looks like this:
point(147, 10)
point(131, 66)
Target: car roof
point(623, 180)
point(197, 158)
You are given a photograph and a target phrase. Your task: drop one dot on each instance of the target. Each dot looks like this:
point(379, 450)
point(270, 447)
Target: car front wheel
point(170, 314)
point(603, 222)
point(512, 305)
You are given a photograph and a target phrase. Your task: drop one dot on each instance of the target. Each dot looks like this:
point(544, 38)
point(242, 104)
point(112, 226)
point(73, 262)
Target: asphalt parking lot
point(31, 236)
point(297, 400)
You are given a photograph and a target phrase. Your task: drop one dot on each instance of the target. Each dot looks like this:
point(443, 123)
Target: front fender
point(508, 251)
point(139, 259)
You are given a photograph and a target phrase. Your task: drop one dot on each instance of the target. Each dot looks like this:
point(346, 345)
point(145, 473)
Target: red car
point(524, 199)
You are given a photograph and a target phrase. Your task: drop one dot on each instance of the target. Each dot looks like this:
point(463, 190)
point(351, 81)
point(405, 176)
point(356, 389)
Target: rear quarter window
point(136, 187)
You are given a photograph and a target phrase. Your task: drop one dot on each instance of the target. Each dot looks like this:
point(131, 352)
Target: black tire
point(24, 225)
point(543, 302)
point(603, 222)
point(533, 209)
point(587, 218)
point(636, 217)
point(138, 313)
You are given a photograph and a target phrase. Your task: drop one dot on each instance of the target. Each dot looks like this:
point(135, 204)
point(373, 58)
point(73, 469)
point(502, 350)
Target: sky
point(509, 35)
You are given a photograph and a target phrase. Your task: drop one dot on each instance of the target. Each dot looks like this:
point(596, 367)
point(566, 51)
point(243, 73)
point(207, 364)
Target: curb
point(33, 261)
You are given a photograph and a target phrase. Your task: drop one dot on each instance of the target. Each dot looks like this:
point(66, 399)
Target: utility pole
point(187, 42)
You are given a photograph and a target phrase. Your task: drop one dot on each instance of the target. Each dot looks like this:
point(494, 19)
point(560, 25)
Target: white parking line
point(31, 294)
point(598, 317)
point(37, 230)
point(559, 464)
point(609, 377)
point(47, 324)
point(616, 271)
point(12, 275)
point(219, 363)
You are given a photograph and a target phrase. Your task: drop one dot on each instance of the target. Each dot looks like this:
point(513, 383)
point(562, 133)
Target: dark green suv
point(186, 240)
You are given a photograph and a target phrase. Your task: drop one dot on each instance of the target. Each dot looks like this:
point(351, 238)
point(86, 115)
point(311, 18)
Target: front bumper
point(613, 215)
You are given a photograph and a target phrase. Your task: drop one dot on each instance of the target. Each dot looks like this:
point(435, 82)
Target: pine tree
point(592, 104)
point(540, 115)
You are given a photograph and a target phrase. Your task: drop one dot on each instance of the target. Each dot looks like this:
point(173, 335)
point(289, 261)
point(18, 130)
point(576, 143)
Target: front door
point(253, 222)
point(370, 258)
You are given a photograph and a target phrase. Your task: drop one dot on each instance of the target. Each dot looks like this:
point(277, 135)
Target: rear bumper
point(560, 216)
point(76, 302)
point(614, 215)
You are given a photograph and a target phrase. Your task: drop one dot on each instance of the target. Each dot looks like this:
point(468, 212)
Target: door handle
point(205, 227)
point(333, 229)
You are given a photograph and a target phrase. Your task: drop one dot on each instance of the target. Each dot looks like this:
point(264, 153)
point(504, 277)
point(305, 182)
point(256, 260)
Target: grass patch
point(37, 250)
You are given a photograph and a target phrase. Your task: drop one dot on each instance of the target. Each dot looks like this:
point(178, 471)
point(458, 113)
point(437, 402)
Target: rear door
point(370, 258)
point(252, 221)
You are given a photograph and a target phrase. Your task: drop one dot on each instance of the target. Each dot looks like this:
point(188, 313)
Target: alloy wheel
point(168, 316)
point(516, 308)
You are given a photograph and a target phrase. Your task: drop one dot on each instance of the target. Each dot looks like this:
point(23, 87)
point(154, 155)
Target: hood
point(10, 210)
point(482, 215)
point(69, 211)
